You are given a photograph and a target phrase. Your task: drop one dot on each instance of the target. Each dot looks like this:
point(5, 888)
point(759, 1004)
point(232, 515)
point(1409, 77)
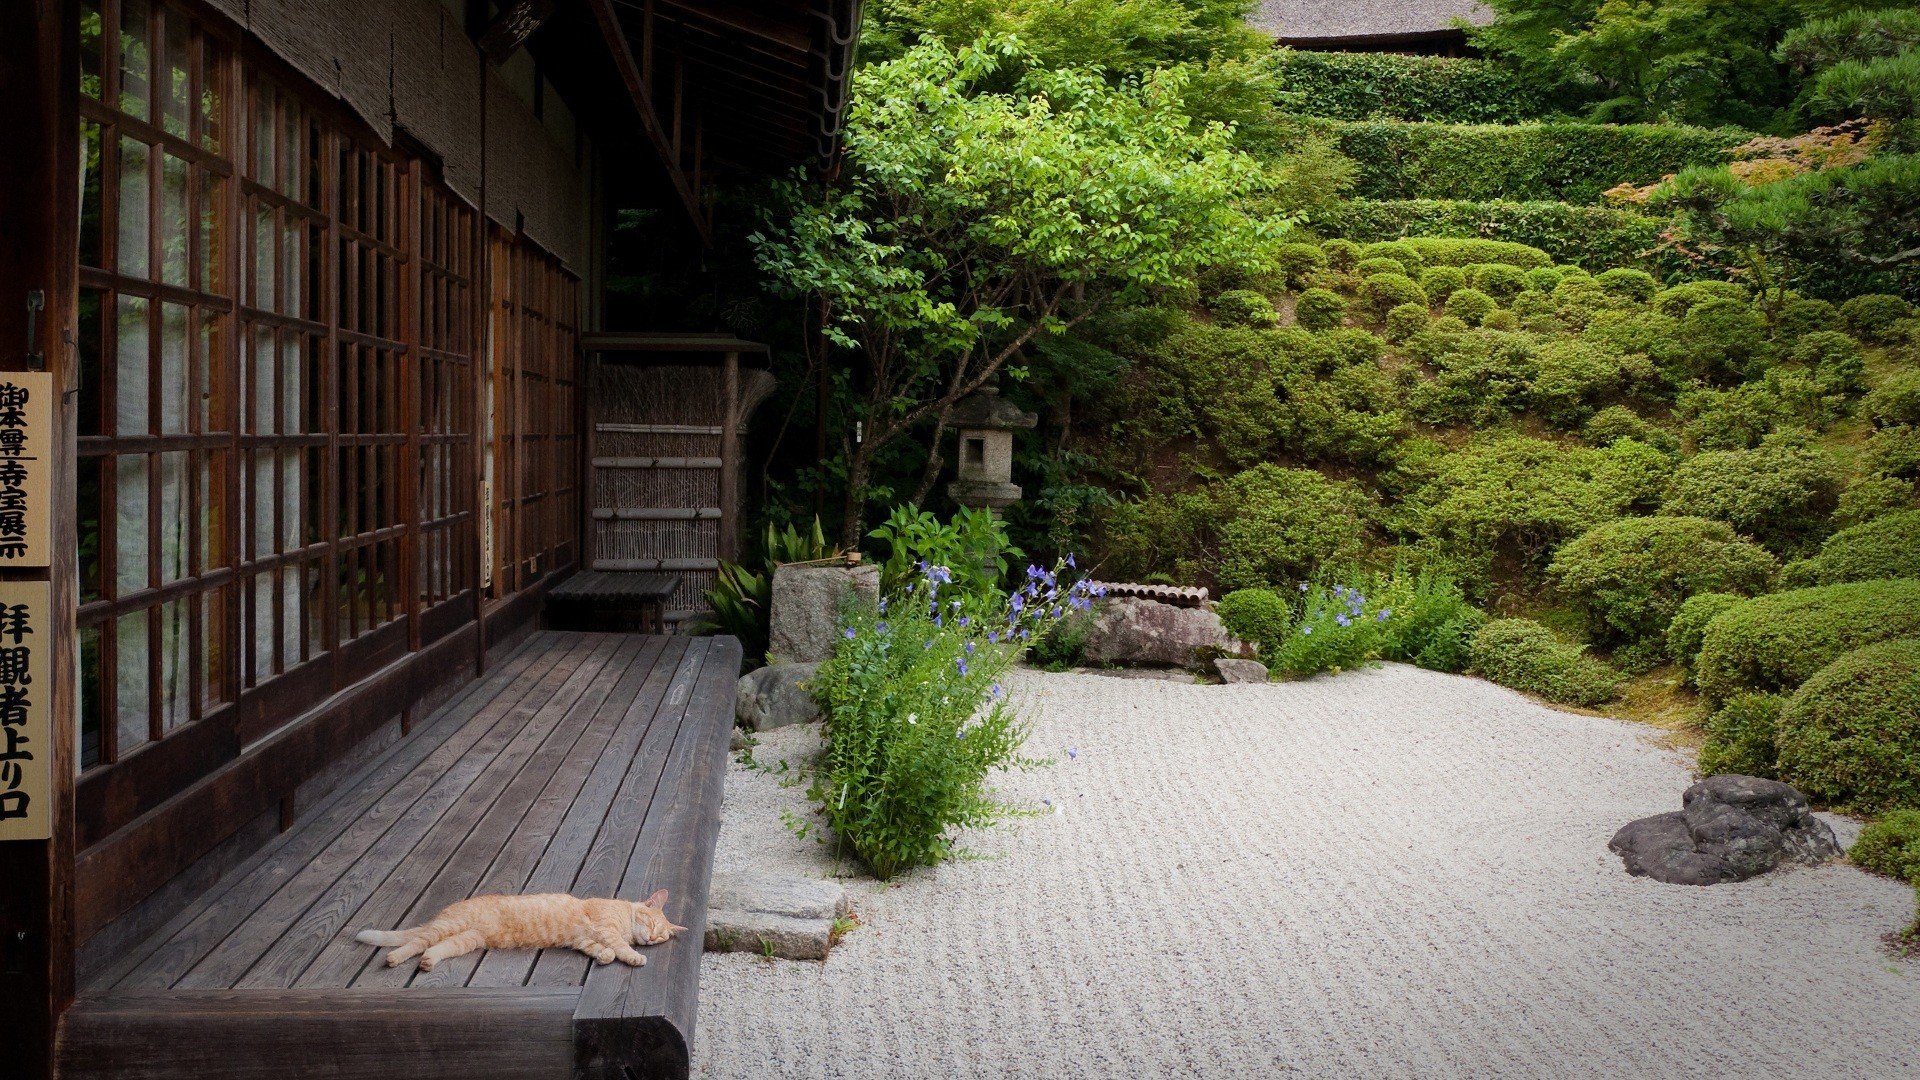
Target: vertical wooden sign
point(26, 464)
point(26, 727)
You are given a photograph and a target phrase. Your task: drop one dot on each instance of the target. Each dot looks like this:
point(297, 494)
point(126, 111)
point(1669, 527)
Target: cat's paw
point(426, 963)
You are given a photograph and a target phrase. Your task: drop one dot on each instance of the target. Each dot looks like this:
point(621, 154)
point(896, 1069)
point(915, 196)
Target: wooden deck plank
point(553, 839)
point(600, 798)
point(342, 868)
point(601, 871)
point(426, 833)
point(506, 837)
point(379, 793)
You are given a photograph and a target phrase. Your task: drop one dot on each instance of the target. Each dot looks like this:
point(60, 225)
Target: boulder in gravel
point(808, 608)
point(1132, 631)
point(788, 917)
point(1240, 671)
point(1729, 828)
point(776, 696)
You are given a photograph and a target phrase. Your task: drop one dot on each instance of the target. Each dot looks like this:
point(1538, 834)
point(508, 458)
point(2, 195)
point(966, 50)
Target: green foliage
point(1725, 340)
point(1407, 320)
point(1772, 643)
point(1125, 39)
point(973, 546)
point(1891, 846)
point(1885, 547)
point(1281, 525)
point(1342, 254)
point(1780, 493)
point(1370, 265)
point(1596, 237)
point(1570, 379)
point(1244, 307)
point(742, 597)
point(1387, 291)
point(1741, 736)
point(1498, 280)
point(1428, 620)
point(1871, 497)
point(1320, 309)
point(1743, 416)
point(1523, 655)
point(1895, 401)
point(1400, 251)
point(1616, 422)
point(1874, 316)
point(1680, 299)
point(1855, 34)
point(1363, 86)
point(1895, 451)
point(1850, 737)
point(1441, 281)
point(1256, 616)
point(1627, 578)
point(1572, 163)
point(1338, 629)
point(1297, 263)
point(1470, 306)
point(1463, 252)
point(1689, 626)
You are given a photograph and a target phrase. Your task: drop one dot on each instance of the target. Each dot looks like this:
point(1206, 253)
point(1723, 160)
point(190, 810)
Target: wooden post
point(730, 460)
point(39, 231)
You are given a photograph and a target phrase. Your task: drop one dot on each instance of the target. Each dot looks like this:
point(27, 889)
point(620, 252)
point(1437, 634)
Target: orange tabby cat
point(606, 930)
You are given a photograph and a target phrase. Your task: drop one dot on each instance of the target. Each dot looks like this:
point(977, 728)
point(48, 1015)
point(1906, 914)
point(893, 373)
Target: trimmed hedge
point(1885, 547)
point(1850, 736)
point(1779, 493)
point(1743, 737)
point(1566, 162)
point(1359, 86)
point(1627, 578)
point(1256, 616)
point(1891, 846)
point(1689, 626)
point(1520, 654)
point(1595, 237)
point(1773, 643)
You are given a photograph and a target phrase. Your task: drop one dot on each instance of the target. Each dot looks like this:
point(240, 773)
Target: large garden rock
point(788, 917)
point(1132, 631)
point(776, 696)
point(809, 605)
point(1730, 828)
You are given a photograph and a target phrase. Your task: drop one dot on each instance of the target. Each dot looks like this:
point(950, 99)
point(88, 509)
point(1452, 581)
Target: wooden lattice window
point(536, 372)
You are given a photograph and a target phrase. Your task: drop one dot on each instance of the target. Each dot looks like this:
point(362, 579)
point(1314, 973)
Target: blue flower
point(1343, 620)
point(969, 648)
point(994, 690)
point(850, 634)
point(927, 644)
point(1384, 612)
point(883, 605)
point(1070, 561)
point(1025, 634)
point(1019, 602)
point(993, 637)
point(1306, 630)
point(880, 627)
point(963, 621)
point(1073, 754)
point(961, 663)
point(1303, 586)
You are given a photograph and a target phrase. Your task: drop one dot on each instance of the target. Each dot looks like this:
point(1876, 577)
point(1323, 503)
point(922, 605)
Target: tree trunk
point(935, 459)
point(854, 509)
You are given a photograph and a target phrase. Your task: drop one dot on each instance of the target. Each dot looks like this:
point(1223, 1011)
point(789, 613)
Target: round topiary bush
point(1399, 251)
point(1851, 734)
point(1773, 643)
point(1741, 736)
point(1439, 282)
point(1498, 280)
point(1891, 846)
point(1895, 401)
point(1297, 263)
point(1873, 496)
point(1570, 376)
point(1374, 265)
point(1895, 451)
point(1258, 617)
point(1802, 316)
point(1885, 547)
point(1341, 254)
point(1616, 422)
point(1681, 298)
point(1244, 307)
point(1836, 361)
point(1873, 317)
point(1544, 278)
point(1407, 320)
point(1470, 305)
point(1627, 578)
point(1388, 291)
point(1725, 339)
point(1320, 309)
point(1523, 655)
point(1779, 493)
point(1628, 283)
point(1689, 626)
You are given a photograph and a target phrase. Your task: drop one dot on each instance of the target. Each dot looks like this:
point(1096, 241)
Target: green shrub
point(1480, 377)
point(1441, 281)
point(1350, 415)
point(1628, 283)
point(1281, 525)
point(1297, 262)
point(1779, 493)
point(1471, 251)
point(1501, 319)
point(1407, 320)
point(1319, 309)
point(1616, 422)
point(973, 545)
point(1873, 317)
point(1428, 621)
point(1741, 736)
point(1543, 278)
point(1850, 736)
point(1470, 305)
point(1258, 617)
point(1836, 362)
point(1408, 256)
point(1373, 265)
point(1627, 578)
point(1244, 307)
point(1741, 417)
point(1895, 451)
point(1570, 378)
point(1641, 333)
point(1498, 280)
point(1388, 291)
point(1523, 655)
point(1680, 299)
point(1598, 237)
point(1772, 643)
point(1338, 629)
point(1725, 339)
point(1342, 255)
point(1894, 402)
point(1802, 315)
point(1885, 547)
point(1360, 86)
point(1891, 846)
point(1689, 627)
point(1872, 497)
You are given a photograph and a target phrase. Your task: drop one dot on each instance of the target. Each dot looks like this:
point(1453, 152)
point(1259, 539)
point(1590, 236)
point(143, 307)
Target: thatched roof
point(1302, 21)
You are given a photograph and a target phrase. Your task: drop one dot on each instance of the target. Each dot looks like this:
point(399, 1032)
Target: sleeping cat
point(606, 930)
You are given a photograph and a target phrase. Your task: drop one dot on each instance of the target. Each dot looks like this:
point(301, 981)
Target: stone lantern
point(986, 423)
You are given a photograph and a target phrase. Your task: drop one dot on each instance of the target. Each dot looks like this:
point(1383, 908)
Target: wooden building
point(1414, 27)
point(310, 283)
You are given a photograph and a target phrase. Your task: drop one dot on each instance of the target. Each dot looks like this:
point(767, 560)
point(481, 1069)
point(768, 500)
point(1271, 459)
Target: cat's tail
point(385, 938)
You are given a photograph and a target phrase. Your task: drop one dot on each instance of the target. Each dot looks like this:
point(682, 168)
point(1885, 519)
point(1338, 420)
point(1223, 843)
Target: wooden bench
point(583, 763)
point(612, 600)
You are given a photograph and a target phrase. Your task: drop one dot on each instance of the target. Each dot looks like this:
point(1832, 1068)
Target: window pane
point(290, 500)
point(131, 251)
point(130, 524)
point(209, 213)
point(130, 680)
point(176, 665)
point(90, 252)
point(173, 516)
point(174, 219)
point(89, 692)
point(176, 98)
point(130, 367)
point(260, 508)
point(210, 362)
point(136, 59)
point(213, 488)
point(213, 93)
point(262, 295)
point(173, 373)
point(88, 349)
point(90, 51)
point(88, 511)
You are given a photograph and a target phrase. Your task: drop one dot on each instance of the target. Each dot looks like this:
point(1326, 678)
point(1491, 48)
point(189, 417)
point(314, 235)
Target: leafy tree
point(970, 221)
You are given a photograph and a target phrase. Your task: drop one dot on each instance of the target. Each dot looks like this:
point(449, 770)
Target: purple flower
point(880, 627)
point(883, 605)
point(850, 634)
point(1384, 612)
point(1070, 561)
point(969, 648)
point(993, 637)
point(994, 690)
point(963, 621)
point(1306, 630)
point(1025, 634)
point(1343, 620)
point(961, 663)
point(1073, 754)
point(1019, 603)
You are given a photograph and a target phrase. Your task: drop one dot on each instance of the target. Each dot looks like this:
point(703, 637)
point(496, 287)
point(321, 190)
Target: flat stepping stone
point(772, 914)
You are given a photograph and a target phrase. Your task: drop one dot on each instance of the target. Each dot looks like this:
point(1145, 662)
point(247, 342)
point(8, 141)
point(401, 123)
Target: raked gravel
point(1386, 873)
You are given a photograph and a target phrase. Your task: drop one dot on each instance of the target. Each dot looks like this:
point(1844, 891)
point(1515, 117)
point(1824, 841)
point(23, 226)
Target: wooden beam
point(39, 223)
point(748, 20)
point(511, 28)
point(642, 96)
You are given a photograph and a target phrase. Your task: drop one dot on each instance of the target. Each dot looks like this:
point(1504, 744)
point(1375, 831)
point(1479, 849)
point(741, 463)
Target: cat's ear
point(675, 929)
point(658, 900)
